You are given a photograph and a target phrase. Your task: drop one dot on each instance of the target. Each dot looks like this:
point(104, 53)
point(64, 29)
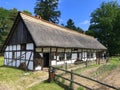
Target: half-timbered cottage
point(38, 43)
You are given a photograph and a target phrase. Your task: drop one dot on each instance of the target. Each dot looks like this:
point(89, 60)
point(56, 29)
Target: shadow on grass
point(61, 84)
point(16, 68)
point(46, 81)
point(66, 87)
point(9, 67)
point(2, 66)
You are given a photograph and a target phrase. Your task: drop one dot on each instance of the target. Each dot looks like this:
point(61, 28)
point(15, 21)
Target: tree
point(25, 11)
point(47, 9)
point(102, 25)
point(6, 21)
point(12, 14)
point(79, 29)
point(71, 25)
point(90, 32)
point(7, 18)
point(116, 34)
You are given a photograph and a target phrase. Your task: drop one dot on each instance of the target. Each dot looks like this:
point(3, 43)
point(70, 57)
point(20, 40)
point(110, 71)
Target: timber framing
point(34, 43)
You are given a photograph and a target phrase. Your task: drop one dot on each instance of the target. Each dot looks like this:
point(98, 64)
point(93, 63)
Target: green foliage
point(80, 88)
point(6, 20)
point(47, 9)
point(71, 25)
point(115, 61)
point(104, 25)
point(90, 32)
point(78, 29)
point(13, 14)
point(25, 11)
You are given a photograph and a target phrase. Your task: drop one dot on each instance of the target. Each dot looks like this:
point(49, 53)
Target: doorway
point(46, 59)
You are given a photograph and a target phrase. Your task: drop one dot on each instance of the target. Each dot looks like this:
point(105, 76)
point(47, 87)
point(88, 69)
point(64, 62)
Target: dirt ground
point(112, 78)
point(25, 81)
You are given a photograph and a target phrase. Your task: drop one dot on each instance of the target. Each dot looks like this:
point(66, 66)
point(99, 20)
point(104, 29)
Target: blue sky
point(78, 10)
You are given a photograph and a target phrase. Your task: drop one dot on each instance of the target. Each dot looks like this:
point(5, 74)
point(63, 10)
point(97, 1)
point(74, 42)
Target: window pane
point(61, 56)
point(23, 47)
point(68, 55)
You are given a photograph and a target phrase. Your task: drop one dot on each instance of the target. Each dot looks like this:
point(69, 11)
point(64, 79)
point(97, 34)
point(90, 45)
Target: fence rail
point(52, 75)
point(73, 82)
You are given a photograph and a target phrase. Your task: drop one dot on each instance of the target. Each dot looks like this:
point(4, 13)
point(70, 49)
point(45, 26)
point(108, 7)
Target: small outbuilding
point(36, 43)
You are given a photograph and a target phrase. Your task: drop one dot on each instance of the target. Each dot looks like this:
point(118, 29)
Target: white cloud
point(86, 22)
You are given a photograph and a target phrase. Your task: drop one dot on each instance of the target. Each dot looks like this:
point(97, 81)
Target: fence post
point(72, 79)
point(86, 63)
point(107, 58)
point(66, 66)
point(51, 74)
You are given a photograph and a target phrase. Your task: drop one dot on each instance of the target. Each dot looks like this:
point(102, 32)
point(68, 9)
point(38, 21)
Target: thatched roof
point(48, 34)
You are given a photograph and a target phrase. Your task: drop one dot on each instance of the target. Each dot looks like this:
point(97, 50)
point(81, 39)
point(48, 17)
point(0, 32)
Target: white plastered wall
point(18, 55)
point(82, 55)
point(73, 59)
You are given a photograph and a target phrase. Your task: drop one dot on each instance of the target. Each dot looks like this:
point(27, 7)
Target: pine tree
point(71, 25)
point(47, 9)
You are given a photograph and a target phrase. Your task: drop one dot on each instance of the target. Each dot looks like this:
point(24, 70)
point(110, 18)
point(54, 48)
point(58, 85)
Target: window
point(13, 55)
point(37, 55)
point(89, 55)
point(61, 56)
point(92, 55)
point(80, 55)
point(74, 50)
point(68, 56)
point(23, 47)
point(53, 57)
point(74, 55)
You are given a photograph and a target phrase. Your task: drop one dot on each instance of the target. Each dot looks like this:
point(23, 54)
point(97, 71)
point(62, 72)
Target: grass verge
point(80, 70)
point(16, 79)
point(46, 86)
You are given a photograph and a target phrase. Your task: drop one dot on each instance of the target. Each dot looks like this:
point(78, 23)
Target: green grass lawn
point(46, 86)
point(16, 79)
point(9, 73)
point(1, 61)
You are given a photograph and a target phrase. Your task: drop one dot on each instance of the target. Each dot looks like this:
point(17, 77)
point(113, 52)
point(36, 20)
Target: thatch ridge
point(45, 33)
point(50, 23)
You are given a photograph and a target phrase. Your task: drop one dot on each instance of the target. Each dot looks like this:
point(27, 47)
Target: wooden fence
point(53, 74)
